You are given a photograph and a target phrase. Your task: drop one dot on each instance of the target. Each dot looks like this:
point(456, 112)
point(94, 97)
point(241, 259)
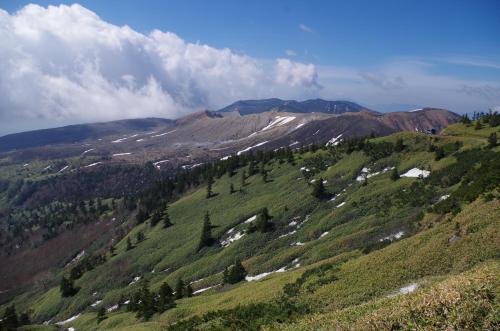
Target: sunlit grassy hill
point(375, 252)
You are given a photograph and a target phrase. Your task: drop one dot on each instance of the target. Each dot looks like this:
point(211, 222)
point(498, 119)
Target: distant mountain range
point(245, 107)
point(202, 136)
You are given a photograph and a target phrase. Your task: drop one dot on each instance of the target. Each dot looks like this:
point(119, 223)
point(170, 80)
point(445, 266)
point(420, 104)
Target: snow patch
point(279, 121)
point(88, 150)
point(157, 163)
point(163, 134)
point(92, 164)
point(249, 148)
point(323, 234)
point(237, 236)
point(334, 141)
point(444, 197)
point(262, 275)
point(71, 319)
point(64, 168)
point(251, 219)
point(135, 280)
point(340, 205)
point(299, 126)
point(287, 234)
point(408, 289)
point(298, 243)
point(95, 304)
point(293, 144)
point(112, 308)
point(201, 290)
point(121, 154)
point(394, 236)
point(416, 173)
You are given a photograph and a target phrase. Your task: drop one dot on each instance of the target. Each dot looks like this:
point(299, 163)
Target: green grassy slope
point(345, 274)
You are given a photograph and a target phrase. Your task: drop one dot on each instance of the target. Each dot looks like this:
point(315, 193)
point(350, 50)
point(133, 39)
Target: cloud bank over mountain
point(64, 64)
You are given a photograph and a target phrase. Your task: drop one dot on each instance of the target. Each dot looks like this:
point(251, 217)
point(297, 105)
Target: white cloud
point(296, 74)
point(64, 64)
point(305, 28)
point(290, 52)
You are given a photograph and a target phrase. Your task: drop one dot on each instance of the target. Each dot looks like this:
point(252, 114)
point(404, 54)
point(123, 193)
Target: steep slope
point(371, 236)
point(77, 133)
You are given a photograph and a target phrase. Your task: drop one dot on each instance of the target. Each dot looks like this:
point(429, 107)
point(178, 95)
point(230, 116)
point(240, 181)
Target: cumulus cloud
point(296, 74)
point(65, 64)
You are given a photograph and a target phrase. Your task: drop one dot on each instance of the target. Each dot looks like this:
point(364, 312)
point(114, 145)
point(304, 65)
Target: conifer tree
point(166, 218)
point(251, 168)
point(262, 223)
point(129, 244)
point(139, 237)
point(155, 219)
point(399, 145)
point(231, 188)
point(24, 319)
point(235, 273)
point(10, 320)
point(210, 182)
point(243, 180)
point(165, 298)
point(189, 291)
point(394, 174)
point(67, 289)
point(206, 232)
point(179, 289)
point(101, 315)
point(319, 189)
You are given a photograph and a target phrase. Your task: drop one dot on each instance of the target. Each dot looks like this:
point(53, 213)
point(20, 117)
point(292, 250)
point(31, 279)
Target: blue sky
point(354, 33)
point(383, 54)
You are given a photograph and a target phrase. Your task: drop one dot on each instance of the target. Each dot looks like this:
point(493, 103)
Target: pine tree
point(231, 188)
point(399, 147)
point(67, 289)
point(101, 315)
point(129, 244)
point(24, 319)
point(264, 176)
point(210, 182)
point(319, 189)
point(206, 232)
point(394, 174)
point(139, 237)
point(251, 169)
point(156, 218)
point(189, 291)
point(262, 223)
point(235, 273)
point(166, 218)
point(112, 250)
point(439, 153)
point(243, 180)
point(179, 289)
point(10, 320)
point(165, 298)
point(492, 140)
point(146, 305)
